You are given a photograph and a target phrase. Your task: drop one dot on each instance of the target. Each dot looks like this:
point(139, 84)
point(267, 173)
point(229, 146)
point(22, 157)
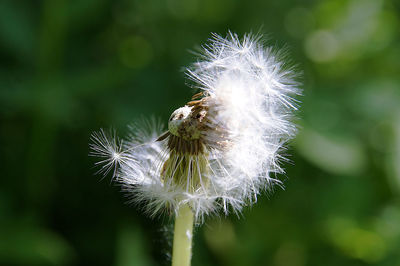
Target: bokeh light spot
point(321, 46)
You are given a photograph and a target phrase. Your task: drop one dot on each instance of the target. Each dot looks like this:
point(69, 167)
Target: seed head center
point(183, 124)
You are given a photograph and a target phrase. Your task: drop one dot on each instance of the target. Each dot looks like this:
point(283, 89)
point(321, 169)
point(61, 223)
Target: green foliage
point(70, 67)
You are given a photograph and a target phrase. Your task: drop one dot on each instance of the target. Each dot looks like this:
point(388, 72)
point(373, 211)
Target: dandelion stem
point(182, 248)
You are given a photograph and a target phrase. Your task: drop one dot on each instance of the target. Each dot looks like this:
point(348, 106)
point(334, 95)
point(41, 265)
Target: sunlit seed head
point(222, 148)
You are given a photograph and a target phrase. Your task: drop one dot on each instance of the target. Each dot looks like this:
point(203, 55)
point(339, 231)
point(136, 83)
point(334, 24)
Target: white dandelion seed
point(222, 148)
point(108, 148)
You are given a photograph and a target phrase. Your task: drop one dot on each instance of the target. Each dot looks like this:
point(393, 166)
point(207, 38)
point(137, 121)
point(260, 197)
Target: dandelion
point(221, 149)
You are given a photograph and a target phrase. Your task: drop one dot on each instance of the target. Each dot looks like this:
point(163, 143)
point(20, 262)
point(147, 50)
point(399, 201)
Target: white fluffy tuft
point(251, 91)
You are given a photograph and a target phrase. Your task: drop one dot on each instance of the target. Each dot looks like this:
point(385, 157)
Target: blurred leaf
point(29, 245)
point(356, 242)
point(221, 238)
point(132, 248)
point(393, 160)
point(17, 29)
point(337, 156)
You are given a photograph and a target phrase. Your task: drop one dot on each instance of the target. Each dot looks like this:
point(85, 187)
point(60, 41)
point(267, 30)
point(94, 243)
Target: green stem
point(183, 232)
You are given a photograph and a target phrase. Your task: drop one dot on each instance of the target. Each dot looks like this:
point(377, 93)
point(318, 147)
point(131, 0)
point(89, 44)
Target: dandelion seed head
point(221, 149)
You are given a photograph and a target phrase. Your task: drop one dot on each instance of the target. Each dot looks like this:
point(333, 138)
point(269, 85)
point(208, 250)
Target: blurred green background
point(68, 68)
